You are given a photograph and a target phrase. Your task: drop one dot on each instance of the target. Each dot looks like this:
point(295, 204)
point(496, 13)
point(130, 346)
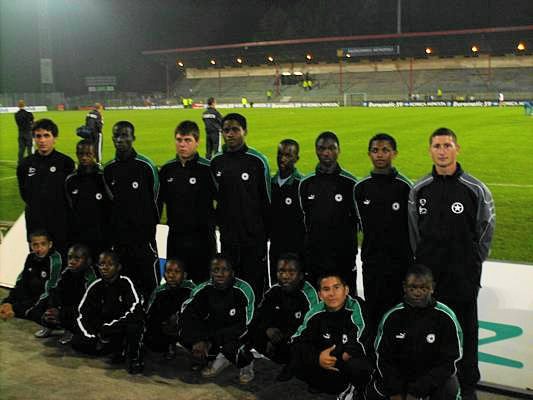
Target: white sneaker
point(216, 367)
point(43, 333)
point(348, 394)
point(247, 374)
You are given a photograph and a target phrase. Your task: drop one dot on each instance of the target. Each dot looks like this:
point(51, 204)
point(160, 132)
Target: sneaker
point(216, 367)
point(247, 374)
point(348, 394)
point(135, 366)
point(43, 333)
point(66, 338)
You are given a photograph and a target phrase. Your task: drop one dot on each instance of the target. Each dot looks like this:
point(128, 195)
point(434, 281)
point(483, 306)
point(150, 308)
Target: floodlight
point(286, 73)
point(180, 64)
point(299, 73)
point(270, 59)
point(348, 55)
point(239, 60)
point(521, 46)
point(429, 50)
point(213, 62)
point(474, 49)
point(308, 56)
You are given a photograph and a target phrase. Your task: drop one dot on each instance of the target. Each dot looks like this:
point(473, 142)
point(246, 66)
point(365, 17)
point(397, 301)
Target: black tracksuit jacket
point(381, 201)
point(451, 223)
point(243, 209)
point(212, 120)
point(134, 184)
point(166, 301)
point(24, 120)
point(417, 349)
point(34, 283)
point(189, 192)
point(93, 120)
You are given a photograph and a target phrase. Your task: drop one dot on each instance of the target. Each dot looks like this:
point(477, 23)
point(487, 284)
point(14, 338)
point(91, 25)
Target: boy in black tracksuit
point(164, 305)
point(381, 200)
point(243, 203)
point(41, 179)
point(326, 198)
point(418, 345)
point(95, 123)
point(329, 348)
point(89, 201)
point(134, 183)
point(281, 311)
point(288, 228)
point(213, 124)
point(111, 316)
point(215, 318)
point(188, 189)
point(40, 275)
point(62, 305)
point(451, 223)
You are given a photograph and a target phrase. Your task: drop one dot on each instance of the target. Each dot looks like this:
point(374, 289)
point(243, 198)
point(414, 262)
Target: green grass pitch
point(495, 147)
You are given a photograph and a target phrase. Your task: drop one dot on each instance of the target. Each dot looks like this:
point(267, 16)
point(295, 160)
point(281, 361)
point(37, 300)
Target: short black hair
point(327, 135)
point(188, 128)
point(46, 125)
point(124, 125)
point(382, 136)
point(210, 101)
point(235, 117)
point(223, 257)
point(330, 274)
point(443, 132)
point(292, 258)
point(290, 142)
point(113, 255)
point(176, 261)
point(419, 270)
point(85, 142)
point(83, 250)
point(40, 232)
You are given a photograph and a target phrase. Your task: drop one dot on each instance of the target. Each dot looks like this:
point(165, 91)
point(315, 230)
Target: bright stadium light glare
point(308, 56)
point(521, 46)
point(239, 60)
point(213, 62)
point(348, 55)
point(429, 50)
point(270, 59)
point(286, 73)
point(299, 73)
point(474, 49)
point(180, 64)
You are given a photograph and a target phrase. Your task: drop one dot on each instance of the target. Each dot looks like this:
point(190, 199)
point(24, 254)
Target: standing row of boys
point(450, 214)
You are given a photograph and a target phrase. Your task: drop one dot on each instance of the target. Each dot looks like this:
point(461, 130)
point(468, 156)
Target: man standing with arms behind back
point(451, 223)
point(213, 124)
point(24, 120)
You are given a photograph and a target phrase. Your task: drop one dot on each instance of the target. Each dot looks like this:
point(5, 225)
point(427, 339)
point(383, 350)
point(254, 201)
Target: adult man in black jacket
point(95, 123)
point(24, 120)
point(41, 179)
point(134, 183)
point(418, 345)
point(288, 228)
point(213, 125)
point(327, 201)
point(188, 189)
point(381, 200)
point(451, 222)
point(243, 210)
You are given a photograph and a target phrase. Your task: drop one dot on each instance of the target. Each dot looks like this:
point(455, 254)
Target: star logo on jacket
point(366, 202)
point(135, 184)
point(396, 206)
point(288, 201)
point(326, 336)
point(344, 338)
point(232, 312)
point(43, 274)
point(338, 197)
point(422, 202)
point(192, 180)
point(53, 168)
point(430, 338)
point(457, 208)
point(245, 176)
point(75, 191)
point(400, 335)
point(98, 196)
point(298, 314)
point(170, 179)
point(31, 171)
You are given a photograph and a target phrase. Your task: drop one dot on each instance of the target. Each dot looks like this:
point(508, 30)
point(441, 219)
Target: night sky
point(106, 37)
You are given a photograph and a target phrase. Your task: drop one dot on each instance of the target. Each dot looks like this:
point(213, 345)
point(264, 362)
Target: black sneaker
point(135, 366)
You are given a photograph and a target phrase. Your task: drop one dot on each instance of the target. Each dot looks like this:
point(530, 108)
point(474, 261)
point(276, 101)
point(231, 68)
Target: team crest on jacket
point(32, 171)
point(135, 184)
point(192, 180)
point(366, 202)
point(344, 338)
point(395, 206)
point(338, 197)
point(232, 312)
point(219, 173)
point(43, 274)
point(298, 314)
point(98, 196)
point(457, 208)
point(288, 201)
point(422, 202)
point(326, 336)
point(53, 168)
point(170, 179)
point(75, 191)
point(245, 176)
point(430, 338)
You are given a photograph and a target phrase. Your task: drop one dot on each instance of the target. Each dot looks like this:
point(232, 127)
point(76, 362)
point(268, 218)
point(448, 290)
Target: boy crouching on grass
point(111, 317)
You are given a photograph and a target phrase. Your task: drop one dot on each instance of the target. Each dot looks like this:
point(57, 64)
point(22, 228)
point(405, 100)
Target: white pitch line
point(510, 185)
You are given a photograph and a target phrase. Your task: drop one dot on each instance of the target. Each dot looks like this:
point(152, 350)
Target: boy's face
point(108, 269)
point(233, 134)
point(287, 157)
point(123, 139)
point(221, 274)
point(418, 290)
point(288, 275)
point(186, 146)
point(381, 154)
point(40, 246)
point(76, 260)
point(327, 151)
point(86, 155)
point(333, 292)
point(44, 141)
point(174, 274)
